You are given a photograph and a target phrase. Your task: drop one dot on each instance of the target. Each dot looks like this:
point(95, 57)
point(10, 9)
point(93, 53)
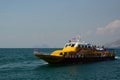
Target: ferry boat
point(76, 51)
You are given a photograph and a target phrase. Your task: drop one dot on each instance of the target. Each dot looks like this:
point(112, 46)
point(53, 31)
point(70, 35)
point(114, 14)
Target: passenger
point(94, 48)
point(89, 47)
point(105, 49)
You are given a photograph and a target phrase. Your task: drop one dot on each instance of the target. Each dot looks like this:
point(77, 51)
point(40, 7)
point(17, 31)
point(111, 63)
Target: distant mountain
point(113, 44)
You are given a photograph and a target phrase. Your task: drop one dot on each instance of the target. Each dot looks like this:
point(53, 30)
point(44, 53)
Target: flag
point(35, 50)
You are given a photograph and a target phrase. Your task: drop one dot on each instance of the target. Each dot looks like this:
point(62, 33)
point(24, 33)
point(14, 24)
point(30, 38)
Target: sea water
point(21, 64)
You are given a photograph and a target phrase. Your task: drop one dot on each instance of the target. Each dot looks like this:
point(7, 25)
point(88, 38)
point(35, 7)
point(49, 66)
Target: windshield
point(71, 45)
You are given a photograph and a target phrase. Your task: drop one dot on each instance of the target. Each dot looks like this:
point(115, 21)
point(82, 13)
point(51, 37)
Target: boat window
point(85, 46)
point(65, 53)
point(89, 47)
point(72, 45)
point(66, 45)
point(69, 44)
point(82, 46)
point(61, 53)
point(79, 45)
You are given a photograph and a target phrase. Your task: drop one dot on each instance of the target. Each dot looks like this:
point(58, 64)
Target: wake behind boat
point(76, 51)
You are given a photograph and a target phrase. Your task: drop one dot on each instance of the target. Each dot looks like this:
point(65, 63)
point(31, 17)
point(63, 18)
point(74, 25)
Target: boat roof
point(76, 43)
point(81, 43)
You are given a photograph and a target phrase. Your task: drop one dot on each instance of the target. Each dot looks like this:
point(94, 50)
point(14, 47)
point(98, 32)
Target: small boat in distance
point(76, 51)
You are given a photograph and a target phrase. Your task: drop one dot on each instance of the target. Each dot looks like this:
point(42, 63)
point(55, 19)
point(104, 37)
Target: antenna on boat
point(78, 38)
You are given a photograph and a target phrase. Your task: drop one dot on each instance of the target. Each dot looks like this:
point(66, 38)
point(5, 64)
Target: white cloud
point(110, 28)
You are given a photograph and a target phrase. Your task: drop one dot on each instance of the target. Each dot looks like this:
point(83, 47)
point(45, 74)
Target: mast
point(78, 38)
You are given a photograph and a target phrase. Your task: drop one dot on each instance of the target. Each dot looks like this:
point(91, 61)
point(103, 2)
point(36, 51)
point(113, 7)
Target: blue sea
point(21, 64)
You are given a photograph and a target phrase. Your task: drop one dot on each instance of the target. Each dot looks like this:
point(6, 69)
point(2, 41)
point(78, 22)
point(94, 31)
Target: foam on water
point(117, 57)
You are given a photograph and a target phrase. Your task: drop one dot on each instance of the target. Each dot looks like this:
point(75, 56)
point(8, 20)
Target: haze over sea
point(21, 64)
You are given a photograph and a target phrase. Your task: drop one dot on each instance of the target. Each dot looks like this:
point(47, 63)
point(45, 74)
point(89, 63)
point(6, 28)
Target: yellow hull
point(67, 60)
point(50, 59)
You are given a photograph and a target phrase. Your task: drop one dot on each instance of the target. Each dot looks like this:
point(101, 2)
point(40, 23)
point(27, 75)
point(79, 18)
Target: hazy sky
point(51, 23)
